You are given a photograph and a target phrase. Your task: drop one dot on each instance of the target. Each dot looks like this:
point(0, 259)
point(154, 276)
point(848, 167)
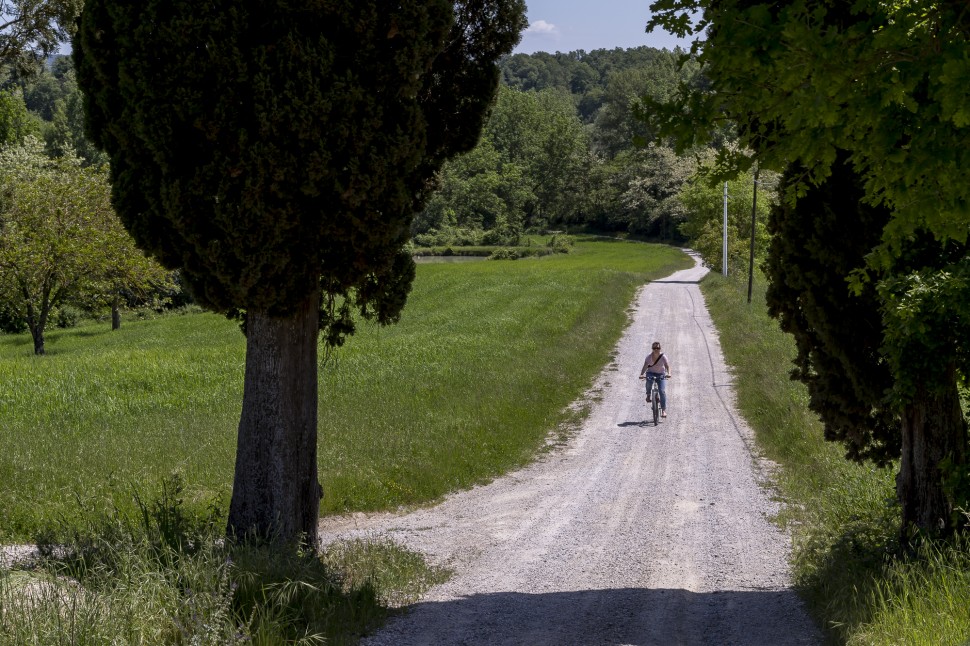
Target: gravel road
point(628, 534)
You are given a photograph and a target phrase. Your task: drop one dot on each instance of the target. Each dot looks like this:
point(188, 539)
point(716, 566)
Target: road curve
point(628, 534)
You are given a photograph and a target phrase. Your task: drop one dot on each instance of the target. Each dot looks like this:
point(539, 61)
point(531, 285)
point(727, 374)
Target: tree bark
point(37, 322)
point(275, 493)
point(116, 313)
point(37, 333)
point(933, 429)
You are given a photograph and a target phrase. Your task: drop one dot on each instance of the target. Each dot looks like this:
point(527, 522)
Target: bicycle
point(654, 397)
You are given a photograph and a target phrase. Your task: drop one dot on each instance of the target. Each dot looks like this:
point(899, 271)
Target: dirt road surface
point(628, 534)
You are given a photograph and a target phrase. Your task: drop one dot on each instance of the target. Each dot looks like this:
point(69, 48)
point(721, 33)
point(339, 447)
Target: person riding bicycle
point(656, 367)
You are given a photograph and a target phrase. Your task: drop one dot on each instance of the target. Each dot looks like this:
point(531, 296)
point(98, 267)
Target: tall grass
point(164, 576)
point(483, 364)
point(104, 412)
point(479, 371)
point(843, 515)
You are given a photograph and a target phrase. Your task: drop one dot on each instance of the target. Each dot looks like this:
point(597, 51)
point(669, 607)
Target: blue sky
point(568, 25)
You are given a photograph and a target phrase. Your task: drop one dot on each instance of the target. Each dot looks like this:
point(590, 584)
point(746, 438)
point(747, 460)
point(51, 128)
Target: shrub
point(560, 242)
point(500, 237)
point(12, 321)
point(66, 316)
point(505, 253)
point(449, 236)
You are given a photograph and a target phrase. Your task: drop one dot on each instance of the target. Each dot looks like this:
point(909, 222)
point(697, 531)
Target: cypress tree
point(816, 244)
point(881, 362)
point(276, 152)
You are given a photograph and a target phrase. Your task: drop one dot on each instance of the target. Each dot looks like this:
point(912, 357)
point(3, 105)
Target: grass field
point(481, 368)
point(843, 515)
point(117, 451)
point(470, 384)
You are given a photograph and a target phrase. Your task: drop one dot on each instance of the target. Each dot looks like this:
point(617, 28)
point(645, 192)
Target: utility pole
point(724, 251)
point(754, 211)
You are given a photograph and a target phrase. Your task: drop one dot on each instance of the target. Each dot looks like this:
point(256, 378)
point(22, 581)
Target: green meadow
point(471, 383)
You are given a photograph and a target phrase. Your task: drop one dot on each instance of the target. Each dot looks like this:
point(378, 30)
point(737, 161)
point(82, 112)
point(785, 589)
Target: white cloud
point(541, 27)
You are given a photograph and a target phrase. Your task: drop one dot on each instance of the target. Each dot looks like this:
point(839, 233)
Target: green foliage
point(648, 184)
point(60, 242)
point(32, 30)
point(16, 123)
point(449, 237)
point(43, 89)
point(788, 74)
point(842, 515)
point(66, 132)
point(505, 253)
point(295, 181)
point(66, 316)
point(885, 386)
point(703, 224)
point(53, 214)
point(560, 149)
point(54, 103)
point(560, 242)
point(593, 80)
point(816, 243)
point(12, 321)
point(540, 135)
point(617, 125)
point(926, 313)
point(479, 195)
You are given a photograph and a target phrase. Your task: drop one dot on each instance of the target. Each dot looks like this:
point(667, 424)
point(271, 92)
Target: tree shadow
point(628, 617)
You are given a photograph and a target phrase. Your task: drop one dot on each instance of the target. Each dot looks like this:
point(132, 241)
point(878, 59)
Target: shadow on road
point(639, 617)
point(644, 422)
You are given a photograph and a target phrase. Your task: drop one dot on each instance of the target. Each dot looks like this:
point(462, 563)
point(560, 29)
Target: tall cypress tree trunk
point(933, 428)
point(275, 493)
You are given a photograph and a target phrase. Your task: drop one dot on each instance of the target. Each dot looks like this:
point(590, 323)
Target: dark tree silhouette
point(816, 244)
point(881, 362)
point(276, 152)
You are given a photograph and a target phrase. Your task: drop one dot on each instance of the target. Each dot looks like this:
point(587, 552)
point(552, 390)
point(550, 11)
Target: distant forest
point(562, 150)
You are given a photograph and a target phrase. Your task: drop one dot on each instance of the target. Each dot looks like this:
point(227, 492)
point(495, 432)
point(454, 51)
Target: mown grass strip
point(842, 515)
point(482, 366)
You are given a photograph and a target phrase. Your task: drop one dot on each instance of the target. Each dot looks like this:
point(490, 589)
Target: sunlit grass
point(842, 515)
point(481, 368)
point(105, 411)
point(471, 383)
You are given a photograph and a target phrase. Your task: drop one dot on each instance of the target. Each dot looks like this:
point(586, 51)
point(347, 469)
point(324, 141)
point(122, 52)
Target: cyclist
point(655, 368)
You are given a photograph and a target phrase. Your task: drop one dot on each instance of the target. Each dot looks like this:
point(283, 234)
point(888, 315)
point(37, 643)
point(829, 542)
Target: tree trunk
point(933, 429)
point(275, 493)
point(116, 313)
point(36, 322)
point(37, 332)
